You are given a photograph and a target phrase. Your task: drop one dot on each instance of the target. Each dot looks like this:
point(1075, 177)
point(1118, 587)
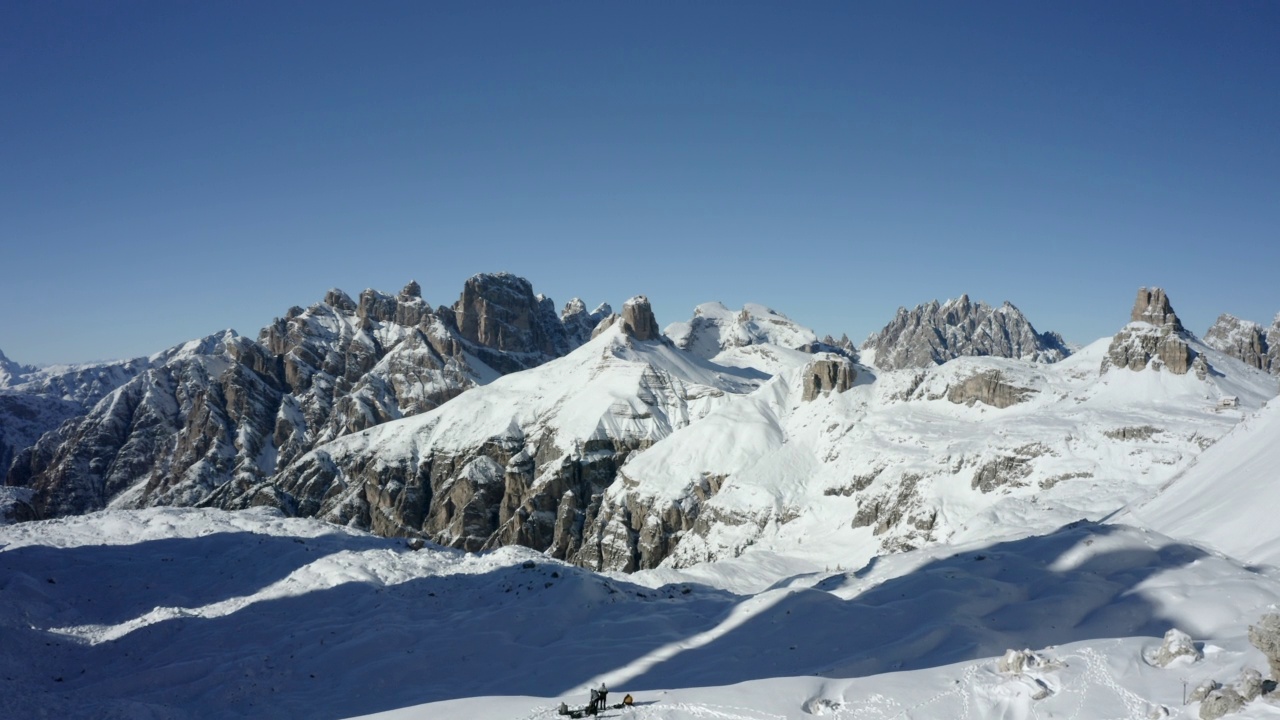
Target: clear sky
point(169, 169)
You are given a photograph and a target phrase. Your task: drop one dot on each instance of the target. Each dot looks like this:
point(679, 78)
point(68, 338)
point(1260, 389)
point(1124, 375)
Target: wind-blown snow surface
point(169, 613)
point(900, 461)
point(715, 328)
point(1228, 498)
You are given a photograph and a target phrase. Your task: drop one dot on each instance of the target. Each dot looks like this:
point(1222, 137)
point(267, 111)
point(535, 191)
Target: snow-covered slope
point(914, 457)
point(521, 460)
point(216, 415)
point(182, 613)
point(810, 536)
point(34, 401)
point(715, 328)
point(1227, 498)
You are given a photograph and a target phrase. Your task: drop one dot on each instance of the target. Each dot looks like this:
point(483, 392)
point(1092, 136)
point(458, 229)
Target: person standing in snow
point(604, 696)
point(593, 707)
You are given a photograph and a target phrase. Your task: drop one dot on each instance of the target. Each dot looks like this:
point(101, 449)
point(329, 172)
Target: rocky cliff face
point(524, 460)
point(212, 418)
point(1247, 341)
point(828, 374)
point(580, 324)
point(1154, 337)
point(34, 401)
point(509, 328)
point(934, 333)
point(638, 320)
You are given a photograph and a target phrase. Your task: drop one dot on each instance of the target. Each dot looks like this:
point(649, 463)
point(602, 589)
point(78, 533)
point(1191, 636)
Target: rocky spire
point(1152, 306)
point(1155, 337)
point(638, 320)
point(339, 300)
point(579, 323)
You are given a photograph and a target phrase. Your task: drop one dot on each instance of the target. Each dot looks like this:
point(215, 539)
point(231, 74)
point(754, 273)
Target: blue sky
point(170, 169)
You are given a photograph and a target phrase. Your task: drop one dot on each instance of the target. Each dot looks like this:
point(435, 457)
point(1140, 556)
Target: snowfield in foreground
point(169, 613)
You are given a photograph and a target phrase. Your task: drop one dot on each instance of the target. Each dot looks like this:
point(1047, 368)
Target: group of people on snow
point(599, 701)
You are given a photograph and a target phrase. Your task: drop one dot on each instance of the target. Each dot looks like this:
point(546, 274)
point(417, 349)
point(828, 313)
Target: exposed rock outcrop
point(988, 388)
point(1176, 644)
point(578, 323)
point(638, 320)
point(1247, 341)
point(934, 333)
point(1006, 470)
point(499, 316)
point(826, 374)
point(34, 401)
point(1222, 701)
point(1265, 636)
point(1154, 337)
point(499, 466)
point(208, 420)
point(1152, 307)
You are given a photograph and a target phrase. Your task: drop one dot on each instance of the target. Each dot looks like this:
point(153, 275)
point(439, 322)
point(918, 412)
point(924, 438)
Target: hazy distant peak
point(933, 333)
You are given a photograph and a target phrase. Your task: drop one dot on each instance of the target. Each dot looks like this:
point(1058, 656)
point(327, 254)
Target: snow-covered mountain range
point(603, 441)
point(729, 518)
point(226, 410)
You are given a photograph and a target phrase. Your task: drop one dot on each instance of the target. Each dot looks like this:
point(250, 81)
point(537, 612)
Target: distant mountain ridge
point(34, 400)
point(933, 333)
point(1253, 344)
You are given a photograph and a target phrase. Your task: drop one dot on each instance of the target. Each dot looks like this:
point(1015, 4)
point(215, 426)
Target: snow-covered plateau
point(727, 519)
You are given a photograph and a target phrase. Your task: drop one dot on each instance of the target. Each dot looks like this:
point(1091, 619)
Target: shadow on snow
point(546, 630)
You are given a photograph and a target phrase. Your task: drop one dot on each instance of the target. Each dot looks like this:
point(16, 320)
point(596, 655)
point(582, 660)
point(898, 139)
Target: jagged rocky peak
point(580, 324)
point(499, 311)
point(933, 333)
point(1153, 338)
point(375, 305)
point(1247, 341)
point(844, 343)
point(339, 300)
point(828, 373)
point(412, 290)
point(638, 320)
point(11, 372)
point(715, 328)
point(1152, 306)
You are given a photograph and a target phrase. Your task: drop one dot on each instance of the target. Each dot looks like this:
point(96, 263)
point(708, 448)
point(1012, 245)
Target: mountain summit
point(1247, 341)
point(218, 415)
point(933, 333)
point(1153, 338)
